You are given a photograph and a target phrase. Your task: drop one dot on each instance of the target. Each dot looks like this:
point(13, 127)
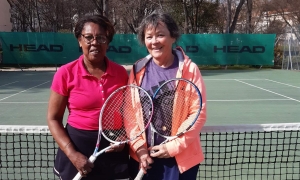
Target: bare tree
point(38, 15)
point(130, 13)
point(259, 21)
point(199, 15)
point(186, 15)
point(60, 16)
point(233, 9)
point(102, 6)
point(236, 16)
point(228, 15)
point(249, 17)
point(23, 13)
point(289, 13)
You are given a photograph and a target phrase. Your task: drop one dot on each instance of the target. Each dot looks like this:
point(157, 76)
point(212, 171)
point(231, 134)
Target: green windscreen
point(203, 49)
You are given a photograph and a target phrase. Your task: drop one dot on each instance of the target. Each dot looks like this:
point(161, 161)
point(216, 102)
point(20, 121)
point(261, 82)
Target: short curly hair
point(153, 20)
point(102, 21)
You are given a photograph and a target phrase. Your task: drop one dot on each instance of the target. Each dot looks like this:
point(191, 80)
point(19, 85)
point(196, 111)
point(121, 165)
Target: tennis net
point(265, 151)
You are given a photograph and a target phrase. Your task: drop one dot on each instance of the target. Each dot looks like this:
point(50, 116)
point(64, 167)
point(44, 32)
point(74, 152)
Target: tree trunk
point(228, 16)
point(249, 17)
point(38, 15)
point(236, 15)
point(105, 8)
point(185, 28)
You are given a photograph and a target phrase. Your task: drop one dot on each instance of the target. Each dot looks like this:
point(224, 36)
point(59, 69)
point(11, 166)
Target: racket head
point(172, 101)
point(117, 120)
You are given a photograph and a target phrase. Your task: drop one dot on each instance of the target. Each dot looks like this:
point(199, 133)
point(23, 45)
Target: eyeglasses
point(90, 38)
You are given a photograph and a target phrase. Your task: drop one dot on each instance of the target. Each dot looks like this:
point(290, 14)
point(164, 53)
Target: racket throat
point(152, 140)
point(152, 137)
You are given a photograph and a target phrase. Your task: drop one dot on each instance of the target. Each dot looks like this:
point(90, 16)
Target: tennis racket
point(116, 118)
point(177, 106)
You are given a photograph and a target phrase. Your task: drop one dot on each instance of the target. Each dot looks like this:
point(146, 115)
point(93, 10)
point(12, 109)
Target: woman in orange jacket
point(179, 158)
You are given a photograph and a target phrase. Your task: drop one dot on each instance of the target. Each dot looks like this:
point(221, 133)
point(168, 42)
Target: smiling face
point(91, 42)
point(159, 42)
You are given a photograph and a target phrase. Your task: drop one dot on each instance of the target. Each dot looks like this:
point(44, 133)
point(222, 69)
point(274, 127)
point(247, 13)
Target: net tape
point(265, 151)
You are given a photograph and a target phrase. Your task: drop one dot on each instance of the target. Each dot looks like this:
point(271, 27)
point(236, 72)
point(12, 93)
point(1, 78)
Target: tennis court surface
point(251, 132)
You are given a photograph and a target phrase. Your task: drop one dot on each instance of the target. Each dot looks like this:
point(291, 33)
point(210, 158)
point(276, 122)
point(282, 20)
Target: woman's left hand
point(159, 151)
point(116, 148)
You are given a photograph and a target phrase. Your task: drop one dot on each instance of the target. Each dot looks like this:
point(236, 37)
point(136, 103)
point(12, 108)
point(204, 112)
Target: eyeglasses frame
point(103, 40)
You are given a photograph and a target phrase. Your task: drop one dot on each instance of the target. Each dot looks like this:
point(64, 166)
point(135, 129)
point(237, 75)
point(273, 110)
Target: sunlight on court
point(241, 137)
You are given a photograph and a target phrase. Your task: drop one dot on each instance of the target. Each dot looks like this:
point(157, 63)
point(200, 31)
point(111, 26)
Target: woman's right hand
point(144, 158)
point(81, 162)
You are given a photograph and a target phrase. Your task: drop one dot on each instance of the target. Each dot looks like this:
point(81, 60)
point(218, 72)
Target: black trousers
point(108, 166)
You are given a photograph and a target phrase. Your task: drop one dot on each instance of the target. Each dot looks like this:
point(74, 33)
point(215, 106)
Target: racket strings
point(120, 112)
point(163, 109)
point(147, 107)
point(112, 117)
point(177, 107)
point(171, 107)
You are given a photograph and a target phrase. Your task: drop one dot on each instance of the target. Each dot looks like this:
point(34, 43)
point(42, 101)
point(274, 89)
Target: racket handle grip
point(140, 175)
point(78, 175)
point(92, 158)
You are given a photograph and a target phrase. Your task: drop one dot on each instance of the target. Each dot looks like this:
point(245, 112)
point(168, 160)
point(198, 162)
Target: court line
point(283, 83)
point(23, 91)
point(9, 83)
point(33, 80)
point(268, 90)
point(248, 100)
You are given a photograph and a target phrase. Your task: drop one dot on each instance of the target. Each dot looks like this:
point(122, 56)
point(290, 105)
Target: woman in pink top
point(82, 87)
point(178, 159)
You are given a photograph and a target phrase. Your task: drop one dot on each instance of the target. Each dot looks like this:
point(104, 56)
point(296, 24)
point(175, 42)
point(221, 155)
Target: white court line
point(248, 100)
point(23, 91)
point(283, 83)
point(8, 83)
point(268, 90)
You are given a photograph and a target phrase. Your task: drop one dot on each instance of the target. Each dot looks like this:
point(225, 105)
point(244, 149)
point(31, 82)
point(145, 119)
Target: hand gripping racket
point(177, 106)
point(116, 120)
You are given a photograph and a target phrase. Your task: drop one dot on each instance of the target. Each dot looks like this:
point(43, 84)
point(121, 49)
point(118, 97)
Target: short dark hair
point(153, 20)
point(102, 21)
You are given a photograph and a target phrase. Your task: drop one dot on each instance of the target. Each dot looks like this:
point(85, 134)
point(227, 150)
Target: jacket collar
point(178, 51)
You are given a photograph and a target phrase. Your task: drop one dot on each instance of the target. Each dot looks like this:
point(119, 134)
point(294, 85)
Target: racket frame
point(94, 156)
point(140, 174)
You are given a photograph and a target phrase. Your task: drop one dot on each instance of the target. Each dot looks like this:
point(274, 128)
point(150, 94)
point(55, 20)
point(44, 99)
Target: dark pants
point(107, 166)
point(163, 169)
